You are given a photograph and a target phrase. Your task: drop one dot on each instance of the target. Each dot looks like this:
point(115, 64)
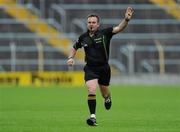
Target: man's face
point(92, 24)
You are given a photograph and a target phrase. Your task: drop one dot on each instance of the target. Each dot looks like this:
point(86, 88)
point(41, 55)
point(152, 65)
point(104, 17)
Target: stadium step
point(173, 7)
point(41, 28)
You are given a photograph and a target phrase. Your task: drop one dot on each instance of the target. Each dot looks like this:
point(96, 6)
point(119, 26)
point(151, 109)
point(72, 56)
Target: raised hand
point(129, 13)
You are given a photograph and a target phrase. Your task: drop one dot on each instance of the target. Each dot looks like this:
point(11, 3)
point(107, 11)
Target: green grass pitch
point(64, 109)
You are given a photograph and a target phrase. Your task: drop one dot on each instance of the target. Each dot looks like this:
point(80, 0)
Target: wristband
point(70, 57)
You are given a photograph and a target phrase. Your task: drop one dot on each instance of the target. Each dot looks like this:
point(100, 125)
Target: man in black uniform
point(96, 45)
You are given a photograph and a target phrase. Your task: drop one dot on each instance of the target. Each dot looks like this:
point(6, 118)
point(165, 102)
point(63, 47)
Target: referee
point(96, 45)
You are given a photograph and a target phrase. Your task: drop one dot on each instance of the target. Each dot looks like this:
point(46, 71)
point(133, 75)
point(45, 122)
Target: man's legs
point(107, 96)
point(92, 85)
point(104, 90)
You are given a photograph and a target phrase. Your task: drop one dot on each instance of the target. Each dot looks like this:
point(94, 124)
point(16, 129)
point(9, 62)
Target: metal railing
point(146, 63)
point(111, 6)
point(49, 21)
point(62, 8)
point(61, 11)
point(81, 23)
point(38, 62)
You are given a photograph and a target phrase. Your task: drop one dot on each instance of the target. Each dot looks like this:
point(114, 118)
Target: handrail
point(125, 36)
point(148, 64)
point(79, 23)
point(28, 48)
point(50, 21)
point(29, 35)
point(110, 6)
point(7, 6)
point(152, 48)
point(141, 21)
point(54, 23)
point(62, 14)
point(166, 61)
point(35, 61)
point(33, 8)
point(161, 56)
point(29, 6)
point(13, 56)
point(129, 50)
point(114, 21)
point(120, 66)
point(142, 36)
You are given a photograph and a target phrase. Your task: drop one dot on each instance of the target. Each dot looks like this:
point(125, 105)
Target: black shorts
point(102, 73)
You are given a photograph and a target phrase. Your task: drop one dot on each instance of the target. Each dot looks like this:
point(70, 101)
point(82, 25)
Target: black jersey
point(96, 47)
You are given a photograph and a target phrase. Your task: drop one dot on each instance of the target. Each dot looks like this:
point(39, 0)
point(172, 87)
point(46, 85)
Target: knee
point(92, 90)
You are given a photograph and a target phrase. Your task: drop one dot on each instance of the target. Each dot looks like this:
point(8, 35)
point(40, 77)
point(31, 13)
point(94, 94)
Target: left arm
point(122, 25)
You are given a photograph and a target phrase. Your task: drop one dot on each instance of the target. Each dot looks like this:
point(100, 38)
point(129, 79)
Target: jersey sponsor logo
point(98, 40)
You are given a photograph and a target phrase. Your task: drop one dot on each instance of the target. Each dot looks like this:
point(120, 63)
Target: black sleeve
point(77, 44)
point(108, 31)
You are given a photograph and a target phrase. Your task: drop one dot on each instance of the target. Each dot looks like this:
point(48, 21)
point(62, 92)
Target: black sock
point(92, 103)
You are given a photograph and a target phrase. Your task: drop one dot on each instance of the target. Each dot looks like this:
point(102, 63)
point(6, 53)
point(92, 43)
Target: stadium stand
point(153, 34)
point(18, 42)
